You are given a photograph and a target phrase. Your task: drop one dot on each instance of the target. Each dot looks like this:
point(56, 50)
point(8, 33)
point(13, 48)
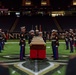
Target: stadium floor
point(10, 56)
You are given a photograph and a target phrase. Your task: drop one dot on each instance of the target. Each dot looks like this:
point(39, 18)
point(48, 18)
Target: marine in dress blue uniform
point(71, 39)
point(31, 35)
point(55, 44)
point(44, 36)
point(22, 43)
point(75, 42)
point(1, 40)
point(67, 39)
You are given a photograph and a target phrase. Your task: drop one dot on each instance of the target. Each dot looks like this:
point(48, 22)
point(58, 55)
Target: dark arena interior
point(37, 37)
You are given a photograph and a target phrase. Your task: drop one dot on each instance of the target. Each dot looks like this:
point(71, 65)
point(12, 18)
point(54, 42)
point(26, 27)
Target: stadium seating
point(46, 23)
point(6, 22)
point(67, 22)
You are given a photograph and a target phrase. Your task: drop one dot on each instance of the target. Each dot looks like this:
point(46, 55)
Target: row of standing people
point(70, 40)
point(54, 41)
point(70, 37)
point(54, 37)
point(22, 43)
point(3, 38)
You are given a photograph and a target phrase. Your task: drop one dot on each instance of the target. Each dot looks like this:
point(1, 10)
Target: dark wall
point(12, 3)
point(36, 2)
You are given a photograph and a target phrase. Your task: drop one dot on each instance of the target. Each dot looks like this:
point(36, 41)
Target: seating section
point(46, 23)
point(67, 22)
point(6, 22)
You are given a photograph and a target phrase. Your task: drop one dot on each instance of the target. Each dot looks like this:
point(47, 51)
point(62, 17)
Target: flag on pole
point(36, 27)
point(40, 29)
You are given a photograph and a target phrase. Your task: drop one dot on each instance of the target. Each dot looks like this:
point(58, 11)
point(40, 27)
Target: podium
point(37, 48)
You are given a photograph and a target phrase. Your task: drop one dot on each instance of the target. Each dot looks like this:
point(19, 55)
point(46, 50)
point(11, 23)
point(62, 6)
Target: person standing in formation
point(71, 39)
point(3, 41)
point(22, 43)
point(31, 35)
point(75, 41)
point(44, 36)
point(67, 39)
point(2, 36)
point(55, 44)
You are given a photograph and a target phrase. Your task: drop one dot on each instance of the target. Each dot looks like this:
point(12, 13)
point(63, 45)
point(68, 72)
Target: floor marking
point(48, 47)
point(51, 65)
point(20, 65)
point(56, 60)
point(6, 56)
point(36, 66)
point(26, 42)
point(13, 72)
point(59, 71)
point(36, 73)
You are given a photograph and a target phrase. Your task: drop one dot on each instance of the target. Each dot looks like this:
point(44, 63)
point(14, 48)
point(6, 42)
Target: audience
point(71, 67)
point(4, 70)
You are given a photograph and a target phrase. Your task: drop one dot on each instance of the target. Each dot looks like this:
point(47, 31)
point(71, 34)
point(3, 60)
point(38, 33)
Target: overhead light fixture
point(43, 3)
point(28, 3)
point(74, 3)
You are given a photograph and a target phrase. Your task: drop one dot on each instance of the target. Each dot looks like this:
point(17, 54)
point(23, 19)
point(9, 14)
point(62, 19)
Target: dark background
point(53, 3)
